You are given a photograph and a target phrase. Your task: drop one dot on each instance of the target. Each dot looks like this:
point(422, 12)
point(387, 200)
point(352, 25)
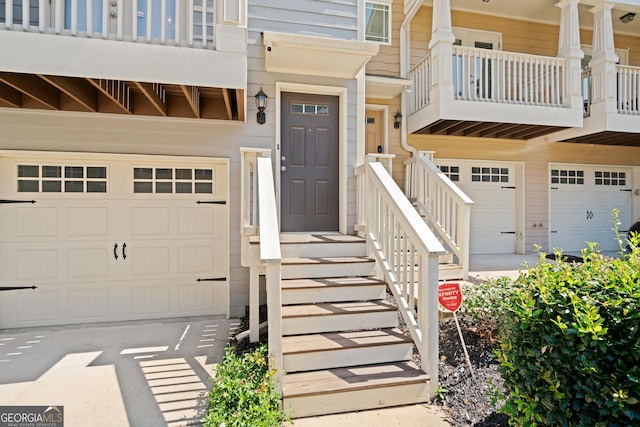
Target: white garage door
point(112, 238)
point(492, 187)
point(582, 199)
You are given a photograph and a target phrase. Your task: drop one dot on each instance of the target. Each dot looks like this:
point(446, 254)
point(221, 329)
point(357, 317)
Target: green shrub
point(570, 344)
point(243, 393)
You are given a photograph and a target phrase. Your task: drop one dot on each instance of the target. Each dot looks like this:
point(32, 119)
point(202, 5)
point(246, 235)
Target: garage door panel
point(87, 221)
point(37, 306)
point(88, 263)
point(149, 261)
point(151, 300)
point(150, 221)
point(34, 222)
point(88, 304)
point(199, 297)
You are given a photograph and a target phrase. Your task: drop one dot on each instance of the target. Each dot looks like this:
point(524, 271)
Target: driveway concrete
point(150, 373)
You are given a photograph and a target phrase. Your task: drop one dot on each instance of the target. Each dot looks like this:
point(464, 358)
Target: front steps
point(341, 346)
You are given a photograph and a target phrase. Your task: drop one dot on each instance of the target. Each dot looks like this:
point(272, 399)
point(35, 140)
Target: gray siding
point(320, 18)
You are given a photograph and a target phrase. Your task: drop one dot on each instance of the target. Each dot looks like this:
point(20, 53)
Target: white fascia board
point(35, 53)
point(316, 56)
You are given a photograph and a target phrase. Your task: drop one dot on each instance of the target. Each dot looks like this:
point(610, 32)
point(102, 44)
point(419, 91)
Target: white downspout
point(405, 48)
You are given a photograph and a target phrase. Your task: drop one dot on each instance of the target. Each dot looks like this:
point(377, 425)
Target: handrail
point(407, 253)
point(442, 203)
point(271, 258)
point(260, 247)
point(189, 23)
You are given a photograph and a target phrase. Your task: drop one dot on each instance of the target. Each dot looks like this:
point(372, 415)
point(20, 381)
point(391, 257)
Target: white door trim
point(341, 93)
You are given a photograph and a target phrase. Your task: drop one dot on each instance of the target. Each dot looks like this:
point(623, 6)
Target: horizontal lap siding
point(335, 19)
point(536, 158)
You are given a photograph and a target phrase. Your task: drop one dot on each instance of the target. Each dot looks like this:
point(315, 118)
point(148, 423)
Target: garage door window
point(172, 181)
point(62, 179)
point(610, 178)
point(480, 174)
point(567, 176)
point(452, 172)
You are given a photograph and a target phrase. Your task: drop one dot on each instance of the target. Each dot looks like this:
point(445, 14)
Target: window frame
point(388, 4)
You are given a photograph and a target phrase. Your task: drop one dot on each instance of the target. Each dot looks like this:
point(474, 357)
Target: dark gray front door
point(309, 163)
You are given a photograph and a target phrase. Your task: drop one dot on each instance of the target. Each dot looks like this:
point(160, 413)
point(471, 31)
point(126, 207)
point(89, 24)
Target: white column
point(603, 61)
point(569, 48)
point(441, 46)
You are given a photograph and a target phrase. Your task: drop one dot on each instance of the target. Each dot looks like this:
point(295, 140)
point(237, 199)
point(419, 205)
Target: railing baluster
point(106, 16)
point(42, 5)
point(149, 16)
point(134, 21)
point(177, 17)
point(163, 22)
point(25, 14)
point(74, 17)
point(89, 18)
point(8, 13)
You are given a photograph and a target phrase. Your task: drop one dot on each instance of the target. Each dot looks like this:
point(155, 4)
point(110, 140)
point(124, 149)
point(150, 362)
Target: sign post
point(450, 297)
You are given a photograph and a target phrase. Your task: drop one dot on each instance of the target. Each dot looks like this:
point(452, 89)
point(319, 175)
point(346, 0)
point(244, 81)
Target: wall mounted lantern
point(628, 17)
point(397, 119)
point(261, 104)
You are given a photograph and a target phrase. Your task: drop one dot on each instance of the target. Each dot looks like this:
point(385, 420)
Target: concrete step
point(339, 316)
point(354, 388)
point(309, 267)
point(341, 349)
point(310, 291)
point(451, 272)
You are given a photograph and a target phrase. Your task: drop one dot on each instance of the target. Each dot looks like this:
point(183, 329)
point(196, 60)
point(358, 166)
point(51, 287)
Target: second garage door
point(493, 187)
point(581, 201)
point(112, 238)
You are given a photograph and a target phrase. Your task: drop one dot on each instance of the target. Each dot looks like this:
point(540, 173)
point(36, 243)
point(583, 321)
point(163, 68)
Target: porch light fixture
point(397, 119)
point(628, 17)
point(261, 104)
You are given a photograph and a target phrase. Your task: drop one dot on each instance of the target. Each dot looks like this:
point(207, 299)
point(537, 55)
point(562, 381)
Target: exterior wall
point(24, 129)
point(387, 61)
point(536, 158)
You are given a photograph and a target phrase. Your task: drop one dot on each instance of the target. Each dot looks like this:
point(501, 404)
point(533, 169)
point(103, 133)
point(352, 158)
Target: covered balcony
point(175, 58)
point(491, 94)
point(474, 90)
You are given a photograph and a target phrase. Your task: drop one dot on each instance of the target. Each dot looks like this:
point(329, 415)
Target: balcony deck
point(163, 58)
point(493, 94)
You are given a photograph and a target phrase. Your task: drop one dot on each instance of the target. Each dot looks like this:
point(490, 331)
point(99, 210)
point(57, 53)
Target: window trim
point(389, 23)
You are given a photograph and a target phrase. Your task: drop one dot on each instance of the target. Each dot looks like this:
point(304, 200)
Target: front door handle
point(283, 168)
point(115, 251)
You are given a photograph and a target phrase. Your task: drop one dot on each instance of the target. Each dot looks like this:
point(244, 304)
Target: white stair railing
point(259, 218)
point(442, 203)
point(406, 252)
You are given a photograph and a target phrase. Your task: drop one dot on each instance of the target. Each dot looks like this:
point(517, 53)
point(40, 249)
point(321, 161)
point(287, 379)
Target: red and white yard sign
point(450, 296)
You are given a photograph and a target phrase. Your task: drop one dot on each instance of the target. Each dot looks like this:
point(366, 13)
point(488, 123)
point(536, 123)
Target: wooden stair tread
point(330, 282)
point(326, 260)
point(342, 340)
point(352, 378)
point(338, 308)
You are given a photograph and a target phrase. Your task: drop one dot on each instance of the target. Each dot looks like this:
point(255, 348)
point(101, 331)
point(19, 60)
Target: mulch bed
point(467, 401)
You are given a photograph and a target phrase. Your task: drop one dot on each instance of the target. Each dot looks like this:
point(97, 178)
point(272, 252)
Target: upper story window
point(378, 21)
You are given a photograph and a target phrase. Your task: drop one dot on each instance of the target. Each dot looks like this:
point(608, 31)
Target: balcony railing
point(187, 23)
point(628, 89)
point(494, 76)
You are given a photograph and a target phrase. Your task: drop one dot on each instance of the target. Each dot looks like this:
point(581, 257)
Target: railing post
point(274, 314)
point(428, 317)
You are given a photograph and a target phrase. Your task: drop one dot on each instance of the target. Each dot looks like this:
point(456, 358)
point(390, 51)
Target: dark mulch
point(467, 401)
